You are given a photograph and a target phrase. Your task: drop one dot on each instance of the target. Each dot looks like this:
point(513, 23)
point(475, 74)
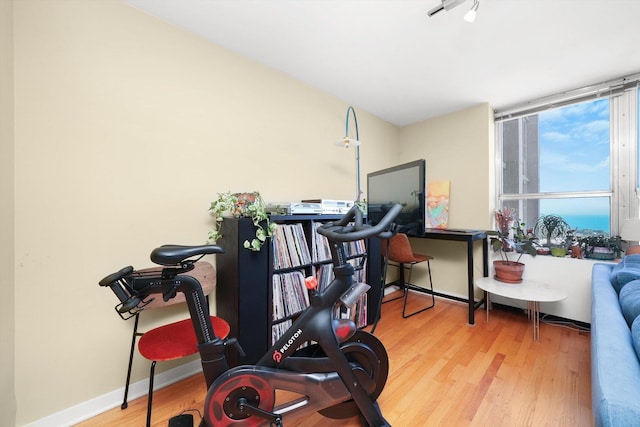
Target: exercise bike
point(329, 365)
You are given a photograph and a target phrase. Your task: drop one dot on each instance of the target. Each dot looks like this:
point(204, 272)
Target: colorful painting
point(438, 204)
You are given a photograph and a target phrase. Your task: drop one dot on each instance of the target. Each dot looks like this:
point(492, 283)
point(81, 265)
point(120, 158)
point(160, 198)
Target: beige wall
point(7, 220)
point(125, 128)
point(459, 148)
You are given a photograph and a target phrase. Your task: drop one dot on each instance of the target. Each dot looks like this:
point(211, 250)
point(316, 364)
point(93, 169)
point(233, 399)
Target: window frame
point(624, 191)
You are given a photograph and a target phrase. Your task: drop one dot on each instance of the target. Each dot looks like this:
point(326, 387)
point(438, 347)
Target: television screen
point(404, 184)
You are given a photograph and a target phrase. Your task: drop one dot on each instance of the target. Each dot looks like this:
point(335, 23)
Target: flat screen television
point(405, 184)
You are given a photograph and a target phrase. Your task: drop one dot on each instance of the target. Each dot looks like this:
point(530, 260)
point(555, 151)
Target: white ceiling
point(390, 59)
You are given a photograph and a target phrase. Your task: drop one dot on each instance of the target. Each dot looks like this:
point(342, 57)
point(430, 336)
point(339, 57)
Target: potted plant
point(562, 245)
point(553, 228)
point(523, 241)
point(238, 205)
point(601, 246)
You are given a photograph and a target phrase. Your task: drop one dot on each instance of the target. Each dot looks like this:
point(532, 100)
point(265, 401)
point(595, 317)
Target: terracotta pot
point(242, 205)
point(576, 252)
point(508, 271)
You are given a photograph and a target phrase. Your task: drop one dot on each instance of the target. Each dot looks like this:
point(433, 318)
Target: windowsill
point(525, 257)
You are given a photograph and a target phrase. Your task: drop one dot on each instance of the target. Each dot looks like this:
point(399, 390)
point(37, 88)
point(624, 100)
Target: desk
point(527, 290)
point(468, 236)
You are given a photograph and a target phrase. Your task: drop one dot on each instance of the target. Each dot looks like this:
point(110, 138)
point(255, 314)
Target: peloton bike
point(339, 374)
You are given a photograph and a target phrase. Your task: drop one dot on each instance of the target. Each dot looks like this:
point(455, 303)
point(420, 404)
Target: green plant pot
point(559, 252)
point(605, 254)
point(603, 257)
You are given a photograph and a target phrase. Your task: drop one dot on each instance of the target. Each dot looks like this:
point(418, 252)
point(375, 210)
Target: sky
point(574, 146)
point(575, 153)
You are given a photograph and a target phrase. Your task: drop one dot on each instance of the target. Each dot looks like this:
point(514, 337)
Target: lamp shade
point(470, 16)
point(631, 230)
point(347, 142)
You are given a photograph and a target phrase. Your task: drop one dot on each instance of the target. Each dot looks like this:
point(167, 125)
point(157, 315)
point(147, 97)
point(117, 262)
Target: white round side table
point(528, 290)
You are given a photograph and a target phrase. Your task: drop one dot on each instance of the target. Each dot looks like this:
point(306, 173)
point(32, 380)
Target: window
point(573, 155)
point(637, 139)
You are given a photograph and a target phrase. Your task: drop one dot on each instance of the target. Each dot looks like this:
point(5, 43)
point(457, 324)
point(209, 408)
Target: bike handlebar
point(351, 227)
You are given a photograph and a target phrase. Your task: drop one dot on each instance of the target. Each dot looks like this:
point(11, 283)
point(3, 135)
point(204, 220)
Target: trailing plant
point(590, 242)
point(250, 205)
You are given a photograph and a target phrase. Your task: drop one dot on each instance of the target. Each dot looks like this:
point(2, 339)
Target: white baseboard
point(390, 289)
point(113, 399)
point(393, 288)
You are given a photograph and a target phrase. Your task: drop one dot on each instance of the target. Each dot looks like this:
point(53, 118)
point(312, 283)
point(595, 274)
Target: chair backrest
point(203, 271)
point(400, 249)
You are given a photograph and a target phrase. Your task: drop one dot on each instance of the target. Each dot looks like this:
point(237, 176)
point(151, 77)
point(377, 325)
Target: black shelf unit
point(244, 284)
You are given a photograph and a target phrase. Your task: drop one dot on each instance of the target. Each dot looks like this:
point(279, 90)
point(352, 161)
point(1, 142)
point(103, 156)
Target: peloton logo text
point(277, 355)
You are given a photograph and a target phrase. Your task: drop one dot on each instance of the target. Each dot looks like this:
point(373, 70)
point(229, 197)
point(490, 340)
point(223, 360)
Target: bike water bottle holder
point(126, 314)
point(138, 297)
point(132, 300)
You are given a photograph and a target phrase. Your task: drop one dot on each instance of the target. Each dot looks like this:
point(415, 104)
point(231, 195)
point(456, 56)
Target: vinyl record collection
point(292, 260)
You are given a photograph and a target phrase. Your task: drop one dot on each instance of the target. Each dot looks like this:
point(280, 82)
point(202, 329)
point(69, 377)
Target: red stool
point(170, 342)
point(203, 271)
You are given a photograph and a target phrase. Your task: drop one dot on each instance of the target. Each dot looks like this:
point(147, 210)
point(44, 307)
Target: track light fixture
point(471, 15)
point(446, 5)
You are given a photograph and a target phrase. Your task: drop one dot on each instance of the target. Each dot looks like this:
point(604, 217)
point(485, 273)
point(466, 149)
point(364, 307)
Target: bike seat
point(175, 254)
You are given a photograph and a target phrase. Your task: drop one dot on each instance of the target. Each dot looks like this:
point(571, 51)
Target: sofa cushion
point(635, 335)
point(630, 301)
point(613, 277)
point(625, 271)
point(633, 259)
point(615, 370)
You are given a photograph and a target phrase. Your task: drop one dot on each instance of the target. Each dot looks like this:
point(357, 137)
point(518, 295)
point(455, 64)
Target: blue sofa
point(615, 343)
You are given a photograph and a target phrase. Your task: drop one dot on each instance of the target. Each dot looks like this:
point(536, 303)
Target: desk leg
point(485, 271)
point(470, 278)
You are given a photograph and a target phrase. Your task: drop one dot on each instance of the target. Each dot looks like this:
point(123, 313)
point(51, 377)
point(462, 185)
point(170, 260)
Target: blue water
point(595, 223)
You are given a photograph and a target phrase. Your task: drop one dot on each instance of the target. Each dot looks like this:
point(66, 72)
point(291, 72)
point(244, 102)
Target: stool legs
point(133, 346)
point(407, 286)
point(150, 395)
point(135, 335)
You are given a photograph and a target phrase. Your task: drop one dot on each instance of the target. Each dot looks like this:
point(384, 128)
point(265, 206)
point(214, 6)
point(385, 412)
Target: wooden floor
point(444, 372)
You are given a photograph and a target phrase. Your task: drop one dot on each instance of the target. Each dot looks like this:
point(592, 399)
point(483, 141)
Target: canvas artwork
point(438, 204)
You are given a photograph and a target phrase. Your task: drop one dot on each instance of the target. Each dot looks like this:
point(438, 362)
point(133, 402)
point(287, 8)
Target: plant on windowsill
point(523, 241)
point(553, 229)
point(250, 205)
point(565, 244)
point(600, 246)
